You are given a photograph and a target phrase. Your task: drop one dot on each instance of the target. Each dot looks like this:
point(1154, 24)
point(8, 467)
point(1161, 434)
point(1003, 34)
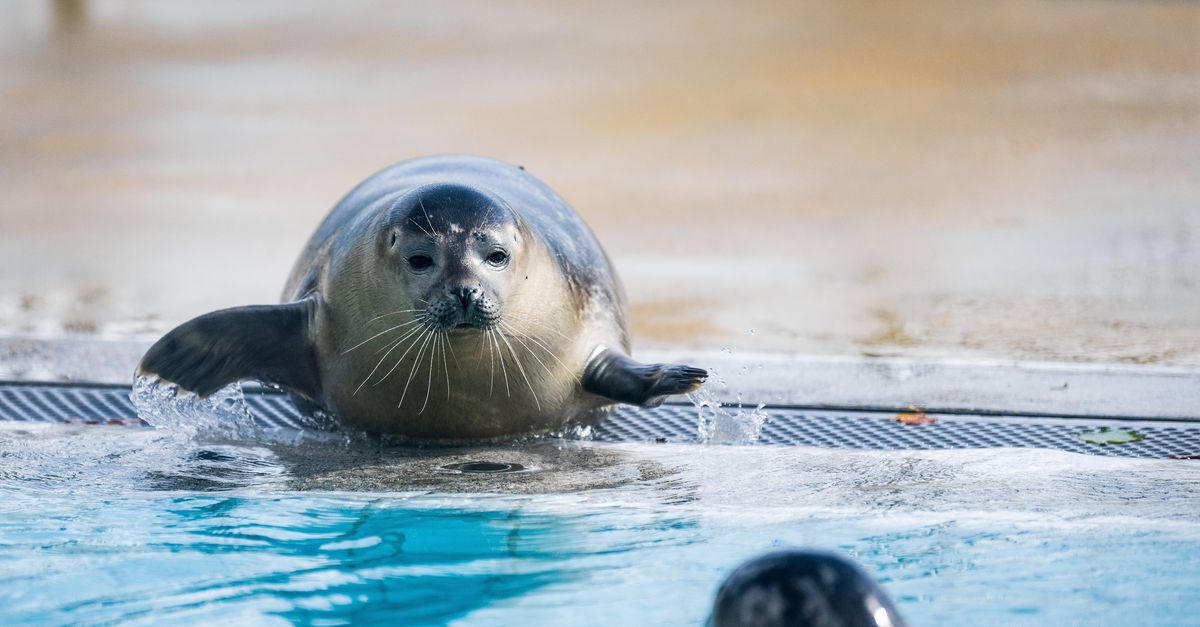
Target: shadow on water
point(215, 468)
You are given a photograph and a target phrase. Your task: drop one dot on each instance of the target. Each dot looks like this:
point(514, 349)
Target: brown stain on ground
point(678, 322)
point(891, 334)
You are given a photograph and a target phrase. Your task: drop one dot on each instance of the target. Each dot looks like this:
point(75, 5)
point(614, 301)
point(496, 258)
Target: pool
point(118, 523)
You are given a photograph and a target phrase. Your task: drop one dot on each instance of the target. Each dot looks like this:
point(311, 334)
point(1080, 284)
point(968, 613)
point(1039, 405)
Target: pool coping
point(108, 405)
point(952, 386)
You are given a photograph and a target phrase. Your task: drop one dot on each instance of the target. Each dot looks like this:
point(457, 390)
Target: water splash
point(225, 415)
point(580, 432)
point(718, 424)
point(165, 405)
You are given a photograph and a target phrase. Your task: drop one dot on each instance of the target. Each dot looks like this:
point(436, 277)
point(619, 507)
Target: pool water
point(104, 524)
point(499, 560)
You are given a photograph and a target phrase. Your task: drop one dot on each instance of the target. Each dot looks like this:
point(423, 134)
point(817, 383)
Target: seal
point(794, 588)
point(447, 297)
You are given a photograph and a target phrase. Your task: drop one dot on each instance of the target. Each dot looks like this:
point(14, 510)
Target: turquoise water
point(96, 527)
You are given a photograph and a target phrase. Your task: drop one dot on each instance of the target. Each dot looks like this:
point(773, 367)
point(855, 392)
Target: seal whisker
point(537, 342)
point(416, 361)
point(380, 362)
point(538, 324)
point(402, 356)
point(399, 326)
point(521, 341)
point(393, 313)
point(433, 351)
point(390, 344)
point(479, 356)
point(407, 334)
point(491, 363)
point(521, 368)
point(446, 366)
point(428, 220)
point(503, 368)
point(450, 345)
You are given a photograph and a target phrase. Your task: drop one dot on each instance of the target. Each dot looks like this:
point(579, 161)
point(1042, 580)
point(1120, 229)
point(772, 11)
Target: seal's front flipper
point(270, 343)
point(613, 375)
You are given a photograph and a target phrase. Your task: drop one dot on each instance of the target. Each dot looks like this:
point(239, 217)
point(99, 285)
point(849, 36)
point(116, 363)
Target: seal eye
point(420, 262)
point(498, 258)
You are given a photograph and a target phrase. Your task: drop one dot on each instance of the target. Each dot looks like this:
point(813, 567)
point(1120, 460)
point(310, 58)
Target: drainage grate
point(94, 404)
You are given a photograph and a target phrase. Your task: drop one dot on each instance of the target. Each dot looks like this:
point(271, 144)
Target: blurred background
point(1008, 180)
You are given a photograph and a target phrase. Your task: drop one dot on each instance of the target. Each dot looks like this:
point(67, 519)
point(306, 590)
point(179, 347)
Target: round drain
point(483, 467)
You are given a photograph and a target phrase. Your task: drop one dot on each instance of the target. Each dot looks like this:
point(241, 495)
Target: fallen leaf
point(1106, 435)
point(914, 416)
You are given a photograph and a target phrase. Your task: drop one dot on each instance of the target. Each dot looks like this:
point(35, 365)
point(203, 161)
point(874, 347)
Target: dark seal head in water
point(445, 298)
point(802, 589)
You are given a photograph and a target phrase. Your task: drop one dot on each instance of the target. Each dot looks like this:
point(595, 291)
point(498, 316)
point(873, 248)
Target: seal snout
point(467, 295)
point(465, 307)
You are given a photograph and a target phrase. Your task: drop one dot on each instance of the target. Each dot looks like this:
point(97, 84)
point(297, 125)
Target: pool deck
point(1116, 391)
point(1010, 179)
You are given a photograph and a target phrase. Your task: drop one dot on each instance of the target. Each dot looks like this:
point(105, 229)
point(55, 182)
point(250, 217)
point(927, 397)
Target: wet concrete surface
point(89, 462)
point(919, 179)
point(547, 467)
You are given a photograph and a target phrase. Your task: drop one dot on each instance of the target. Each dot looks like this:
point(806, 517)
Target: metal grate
point(93, 404)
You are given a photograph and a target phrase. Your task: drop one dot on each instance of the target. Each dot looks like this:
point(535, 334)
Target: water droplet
point(716, 425)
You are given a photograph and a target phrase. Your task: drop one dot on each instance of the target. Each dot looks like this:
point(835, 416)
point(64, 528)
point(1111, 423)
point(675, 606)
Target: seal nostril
point(466, 296)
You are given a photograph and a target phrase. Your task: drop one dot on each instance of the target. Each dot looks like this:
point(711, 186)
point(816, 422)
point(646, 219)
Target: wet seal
point(796, 588)
point(448, 297)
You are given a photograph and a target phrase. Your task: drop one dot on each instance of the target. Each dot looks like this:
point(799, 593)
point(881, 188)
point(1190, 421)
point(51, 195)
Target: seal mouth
point(466, 326)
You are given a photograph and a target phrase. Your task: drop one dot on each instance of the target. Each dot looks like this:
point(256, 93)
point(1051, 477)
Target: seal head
point(802, 588)
point(457, 251)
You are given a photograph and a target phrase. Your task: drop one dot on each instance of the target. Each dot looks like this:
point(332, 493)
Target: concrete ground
point(1011, 180)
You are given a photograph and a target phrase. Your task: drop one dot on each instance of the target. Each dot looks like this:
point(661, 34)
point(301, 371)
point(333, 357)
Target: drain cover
point(483, 467)
point(844, 429)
